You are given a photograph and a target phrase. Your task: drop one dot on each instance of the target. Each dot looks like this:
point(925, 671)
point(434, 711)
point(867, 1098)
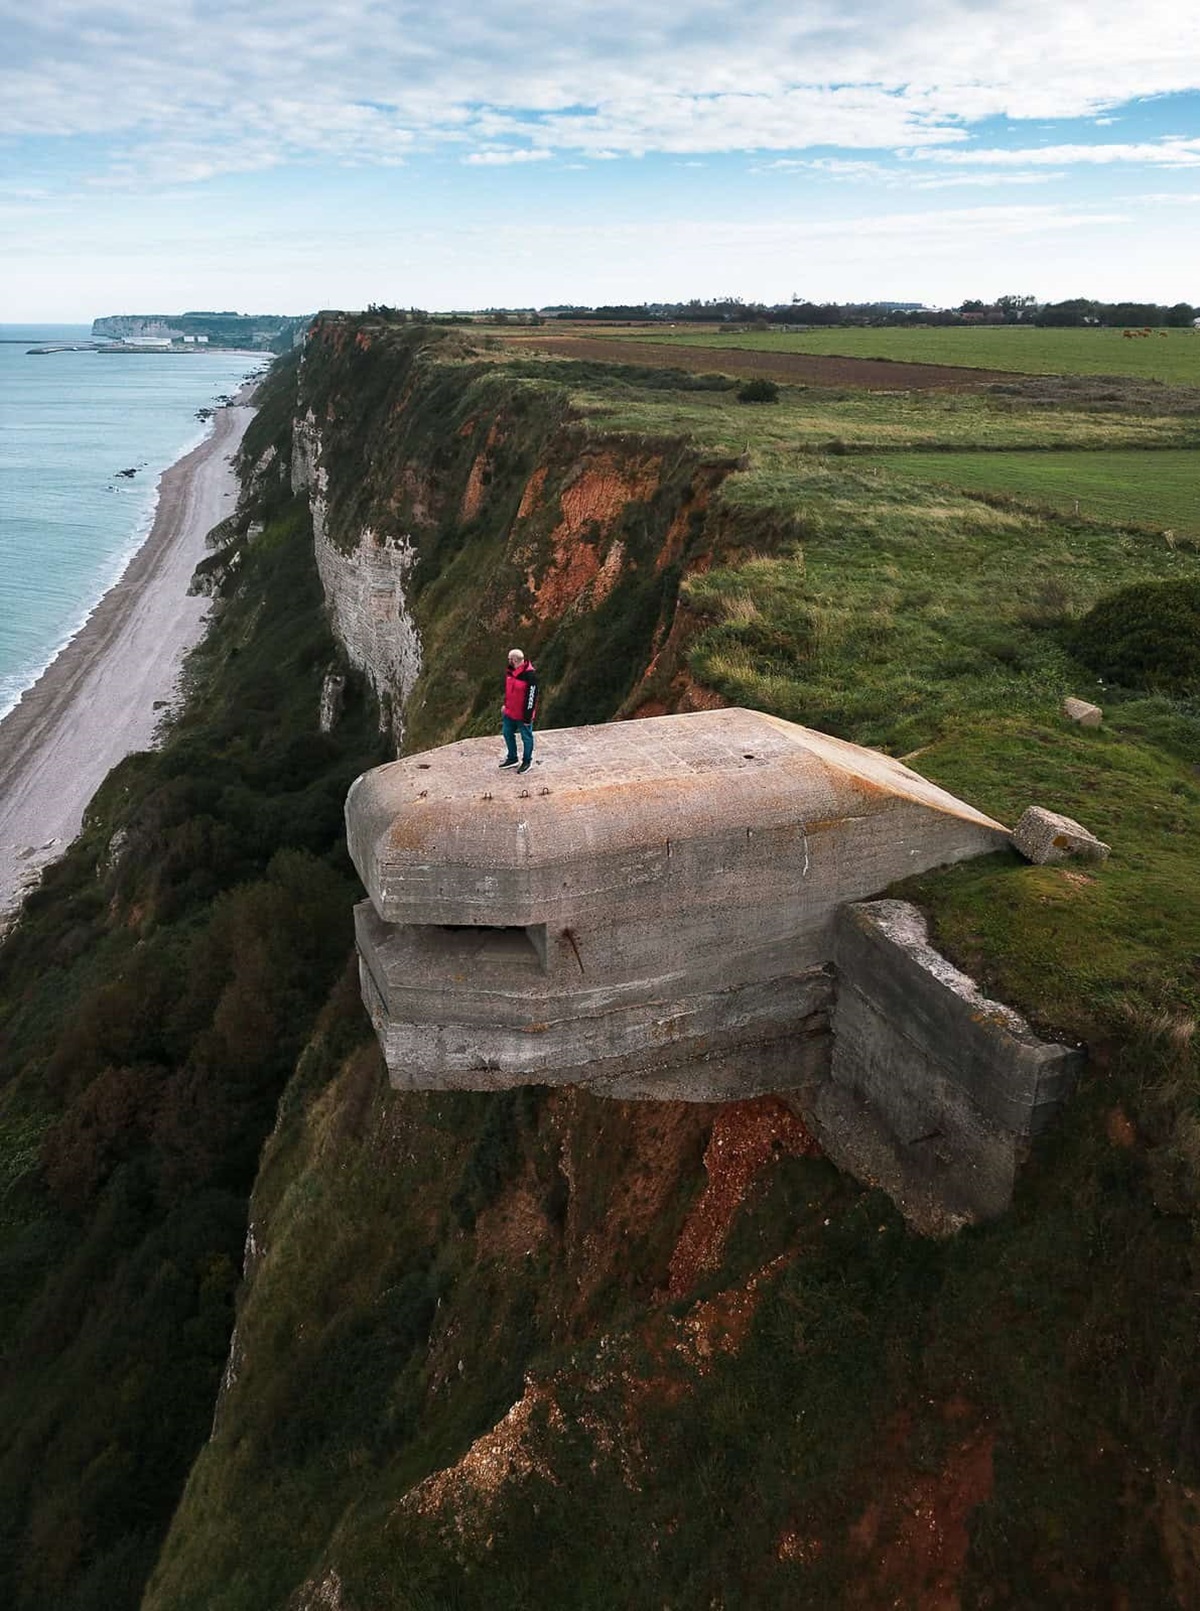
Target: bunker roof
point(602, 791)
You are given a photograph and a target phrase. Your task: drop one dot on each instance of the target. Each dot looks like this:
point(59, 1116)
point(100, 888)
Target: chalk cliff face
point(364, 588)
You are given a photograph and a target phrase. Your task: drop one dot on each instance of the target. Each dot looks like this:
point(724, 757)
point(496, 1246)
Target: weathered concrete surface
point(934, 1090)
point(1047, 836)
point(622, 820)
point(1079, 710)
point(475, 1009)
point(652, 896)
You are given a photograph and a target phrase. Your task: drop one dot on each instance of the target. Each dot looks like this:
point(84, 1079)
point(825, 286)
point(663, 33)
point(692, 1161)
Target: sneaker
point(524, 766)
point(503, 764)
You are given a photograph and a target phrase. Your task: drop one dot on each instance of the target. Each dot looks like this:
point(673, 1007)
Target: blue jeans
point(510, 729)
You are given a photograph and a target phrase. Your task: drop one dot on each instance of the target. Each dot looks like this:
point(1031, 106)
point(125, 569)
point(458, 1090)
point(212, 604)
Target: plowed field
point(789, 368)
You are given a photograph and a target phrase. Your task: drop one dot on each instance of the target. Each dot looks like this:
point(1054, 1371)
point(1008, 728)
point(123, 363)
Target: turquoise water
point(68, 522)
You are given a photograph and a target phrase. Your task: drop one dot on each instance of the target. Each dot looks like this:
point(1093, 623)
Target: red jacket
point(521, 692)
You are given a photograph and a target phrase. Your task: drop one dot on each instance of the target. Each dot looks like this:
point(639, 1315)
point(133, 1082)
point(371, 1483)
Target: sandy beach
point(96, 702)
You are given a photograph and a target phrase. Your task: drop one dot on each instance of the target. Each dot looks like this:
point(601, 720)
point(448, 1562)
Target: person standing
point(520, 708)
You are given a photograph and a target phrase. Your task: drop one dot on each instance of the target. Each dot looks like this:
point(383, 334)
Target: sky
point(286, 156)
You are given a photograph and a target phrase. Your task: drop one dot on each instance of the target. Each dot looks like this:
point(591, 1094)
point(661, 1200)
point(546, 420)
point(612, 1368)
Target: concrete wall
point(933, 1090)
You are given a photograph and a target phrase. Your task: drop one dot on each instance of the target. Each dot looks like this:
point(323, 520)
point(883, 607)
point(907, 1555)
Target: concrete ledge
point(552, 1041)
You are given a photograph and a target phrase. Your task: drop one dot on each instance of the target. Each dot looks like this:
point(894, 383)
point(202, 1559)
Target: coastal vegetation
point(537, 1348)
point(153, 1001)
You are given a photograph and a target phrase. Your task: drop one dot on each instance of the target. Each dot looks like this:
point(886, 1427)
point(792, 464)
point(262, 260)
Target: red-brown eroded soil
point(590, 506)
point(914, 1539)
point(719, 1325)
point(746, 1137)
point(794, 368)
point(477, 480)
point(532, 496)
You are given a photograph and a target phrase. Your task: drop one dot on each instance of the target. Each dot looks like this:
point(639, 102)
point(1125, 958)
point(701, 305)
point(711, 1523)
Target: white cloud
point(499, 158)
point(903, 178)
point(839, 167)
point(1174, 151)
point(949, 181)
point(180, 88)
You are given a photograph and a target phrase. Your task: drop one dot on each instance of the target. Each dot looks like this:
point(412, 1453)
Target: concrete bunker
point(658, 910)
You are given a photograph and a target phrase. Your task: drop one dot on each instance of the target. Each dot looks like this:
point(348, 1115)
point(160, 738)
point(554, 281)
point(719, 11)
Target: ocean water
point(69, 523)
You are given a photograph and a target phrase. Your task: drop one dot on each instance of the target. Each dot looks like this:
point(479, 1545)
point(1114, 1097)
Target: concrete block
point(653, 892)
point(1047, 836)
point(1080, 711)
point(945, 1073)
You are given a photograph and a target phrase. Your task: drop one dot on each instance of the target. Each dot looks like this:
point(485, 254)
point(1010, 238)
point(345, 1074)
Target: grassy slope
point(1173, 356)
point(815, 418)
point(1159, 488)
point(427, 1258)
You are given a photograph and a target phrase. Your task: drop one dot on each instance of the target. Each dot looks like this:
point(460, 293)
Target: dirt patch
point(690, 518)
point(719, 1325)
point(643, 1151)
point(513, 1227)
point(573, 567)
point(1120, 1129)
point(667, 686)
point(603, 487)
point(414, 498)
point(1180, 1511)
point(794, 368)
point(532, 495)
point(685, 694)
point(504, 1454)
point(914, 1539)
point(477, 480)
point(607, 575)
point(746, 1137)
point(472, 500)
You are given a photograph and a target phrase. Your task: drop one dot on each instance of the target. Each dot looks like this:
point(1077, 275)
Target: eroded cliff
point(540, 1348)
point(460, 503)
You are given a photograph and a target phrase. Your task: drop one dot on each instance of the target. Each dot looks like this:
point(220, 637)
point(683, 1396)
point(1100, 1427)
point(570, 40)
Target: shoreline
point(104, 694)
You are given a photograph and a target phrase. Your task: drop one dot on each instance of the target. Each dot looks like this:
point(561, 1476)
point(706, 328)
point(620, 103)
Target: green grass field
point(812, 417)
point(1173, 356)
point(1154, 488)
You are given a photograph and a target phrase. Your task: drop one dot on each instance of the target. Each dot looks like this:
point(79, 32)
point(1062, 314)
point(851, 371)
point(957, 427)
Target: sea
point(70, 422)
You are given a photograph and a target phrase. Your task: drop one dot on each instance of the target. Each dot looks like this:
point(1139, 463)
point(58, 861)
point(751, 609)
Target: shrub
point(1145, 636)
point(758, 391)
